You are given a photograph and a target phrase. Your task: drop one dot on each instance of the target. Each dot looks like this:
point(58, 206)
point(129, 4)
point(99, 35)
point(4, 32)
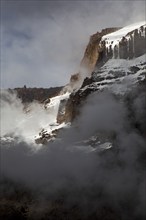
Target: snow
point(55, 100)
point(53, 105)
point(105, 146)
point(52, 108)
point(123, 83)
point(115, 37)
point(89, 148)
point(26, 125)
point(123, 63)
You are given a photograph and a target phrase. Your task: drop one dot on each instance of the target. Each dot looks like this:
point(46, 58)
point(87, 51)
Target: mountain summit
point(110, 43)
point(119, 61)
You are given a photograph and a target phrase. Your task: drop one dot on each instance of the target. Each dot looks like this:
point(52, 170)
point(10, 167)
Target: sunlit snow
point(115, 37)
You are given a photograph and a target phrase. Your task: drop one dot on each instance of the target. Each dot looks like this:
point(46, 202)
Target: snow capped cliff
point(115, 37)
point(127, 43)
point(122, 59)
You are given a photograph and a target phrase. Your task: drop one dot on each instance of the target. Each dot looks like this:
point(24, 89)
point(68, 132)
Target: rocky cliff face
point(111, 57)
point(116, 43)
point(92, 55)
point(94, 50)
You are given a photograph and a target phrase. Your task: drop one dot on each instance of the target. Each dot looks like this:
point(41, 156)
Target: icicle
point(133, 45)
point(113, 53)
point(118, 50)
point(128, 47)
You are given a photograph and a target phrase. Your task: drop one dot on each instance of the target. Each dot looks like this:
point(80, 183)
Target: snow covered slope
point(119, 75)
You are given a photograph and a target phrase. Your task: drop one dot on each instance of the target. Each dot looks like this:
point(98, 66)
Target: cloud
point(43, 41)
point(63, 170)
point(17, 123)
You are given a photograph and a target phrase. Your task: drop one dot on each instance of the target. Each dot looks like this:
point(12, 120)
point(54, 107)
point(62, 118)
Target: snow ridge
point(115, 37)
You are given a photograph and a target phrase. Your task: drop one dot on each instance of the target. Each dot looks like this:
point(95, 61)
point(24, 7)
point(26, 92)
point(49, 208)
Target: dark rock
point(134, 69)
point(87, 81)
point(28, 95)
point(123, 48)
point(61, 111)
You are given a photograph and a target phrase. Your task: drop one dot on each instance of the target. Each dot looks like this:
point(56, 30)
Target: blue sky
point(43, 41)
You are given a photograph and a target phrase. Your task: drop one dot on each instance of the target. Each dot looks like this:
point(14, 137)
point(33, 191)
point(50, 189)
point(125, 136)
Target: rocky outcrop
point(96, 55)
point(100, 79)
point(62, 111)
point(45, 137)
point(72, 105)
point(99, 51)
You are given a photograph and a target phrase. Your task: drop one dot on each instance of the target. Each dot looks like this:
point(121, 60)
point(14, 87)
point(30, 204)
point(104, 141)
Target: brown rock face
point(94, 54)
point(69, 109)
point(94, 49)
point(62, 111)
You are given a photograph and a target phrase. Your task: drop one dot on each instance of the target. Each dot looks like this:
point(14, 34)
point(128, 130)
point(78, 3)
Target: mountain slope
point(90, 141)
point(117, 74)
point(118, 71)
point(115, 59)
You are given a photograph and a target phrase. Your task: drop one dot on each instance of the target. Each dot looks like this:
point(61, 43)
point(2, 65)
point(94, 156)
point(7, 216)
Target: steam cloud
point(23, 122)
point(112, 180)
point(99, 184)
